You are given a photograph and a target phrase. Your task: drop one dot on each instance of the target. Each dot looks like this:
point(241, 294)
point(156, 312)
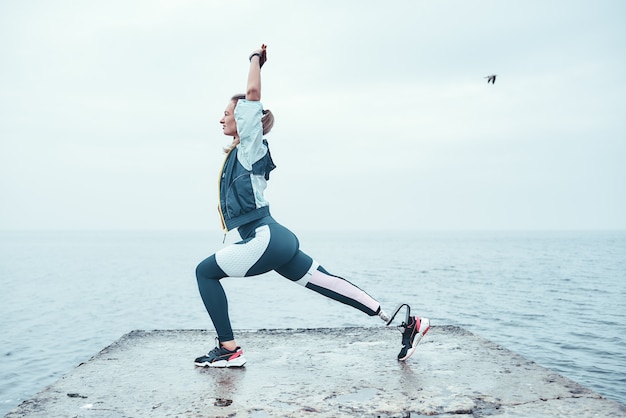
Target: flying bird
point(491, 79)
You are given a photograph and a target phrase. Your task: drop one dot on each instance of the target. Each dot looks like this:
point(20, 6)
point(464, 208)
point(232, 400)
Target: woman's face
point(229, 126)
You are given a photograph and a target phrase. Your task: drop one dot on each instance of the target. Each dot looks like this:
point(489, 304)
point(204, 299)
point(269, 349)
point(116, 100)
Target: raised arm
point(257, 59)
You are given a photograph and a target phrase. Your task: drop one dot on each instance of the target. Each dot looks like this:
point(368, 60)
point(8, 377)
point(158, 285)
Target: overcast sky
point(109, 112)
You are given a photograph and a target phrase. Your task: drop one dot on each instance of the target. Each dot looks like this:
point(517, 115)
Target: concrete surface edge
point(319, 372)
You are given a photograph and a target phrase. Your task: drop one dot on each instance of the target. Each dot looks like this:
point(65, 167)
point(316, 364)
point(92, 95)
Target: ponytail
point(267, 120)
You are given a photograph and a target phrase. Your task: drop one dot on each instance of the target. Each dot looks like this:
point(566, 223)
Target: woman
point(266, 245)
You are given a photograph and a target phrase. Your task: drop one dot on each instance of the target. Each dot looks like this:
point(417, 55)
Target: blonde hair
point(267, 120)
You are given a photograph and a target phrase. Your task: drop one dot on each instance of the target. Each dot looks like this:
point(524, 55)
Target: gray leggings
point(265, 246)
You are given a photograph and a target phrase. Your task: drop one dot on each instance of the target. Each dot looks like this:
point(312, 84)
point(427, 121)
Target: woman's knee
point(297, 267)
point(208, 269)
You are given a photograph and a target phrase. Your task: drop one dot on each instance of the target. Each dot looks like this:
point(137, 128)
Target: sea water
point(557, 298)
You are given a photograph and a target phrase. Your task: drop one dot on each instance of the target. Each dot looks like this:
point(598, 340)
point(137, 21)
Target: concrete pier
point(314, 372)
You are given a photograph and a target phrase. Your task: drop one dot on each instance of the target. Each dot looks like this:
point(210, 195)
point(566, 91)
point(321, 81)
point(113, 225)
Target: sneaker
point(413, 331)
point(222, 357)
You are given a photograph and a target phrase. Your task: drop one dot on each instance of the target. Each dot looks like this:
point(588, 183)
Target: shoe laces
point(217, 348)
point(404, 326)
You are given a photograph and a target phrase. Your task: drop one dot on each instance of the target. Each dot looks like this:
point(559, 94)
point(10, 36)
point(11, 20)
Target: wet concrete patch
point(316, 372)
